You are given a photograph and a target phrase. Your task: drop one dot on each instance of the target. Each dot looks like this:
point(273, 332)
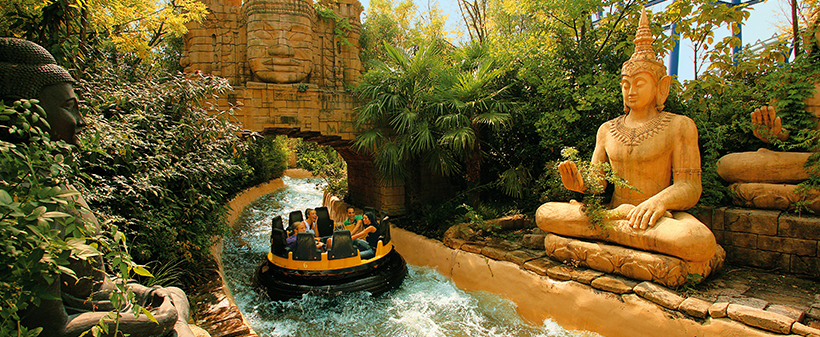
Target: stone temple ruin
point(291, 64)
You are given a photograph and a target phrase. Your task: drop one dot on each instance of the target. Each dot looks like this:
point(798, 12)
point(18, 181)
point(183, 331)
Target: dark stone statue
point(27, 70)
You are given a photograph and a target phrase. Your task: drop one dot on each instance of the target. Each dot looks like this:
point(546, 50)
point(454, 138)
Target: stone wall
point(772, 240)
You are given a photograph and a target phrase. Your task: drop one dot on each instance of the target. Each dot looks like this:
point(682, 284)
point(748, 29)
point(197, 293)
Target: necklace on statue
point(633, 137)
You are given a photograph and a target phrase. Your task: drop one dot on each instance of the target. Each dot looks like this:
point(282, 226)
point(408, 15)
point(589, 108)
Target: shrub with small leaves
point(34, 205)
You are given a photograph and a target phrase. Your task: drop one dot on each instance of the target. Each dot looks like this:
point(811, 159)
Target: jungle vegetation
point(488, 108)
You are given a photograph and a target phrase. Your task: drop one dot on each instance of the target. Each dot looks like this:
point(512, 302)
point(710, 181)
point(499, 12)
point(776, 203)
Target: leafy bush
point(39, 212)
point(159, 163)
point(324, 162)
point(267, 158)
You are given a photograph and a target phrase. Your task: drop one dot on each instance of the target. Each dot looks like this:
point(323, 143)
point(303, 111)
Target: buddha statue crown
point(644, 59)
point(292, 7)
point(26, 67)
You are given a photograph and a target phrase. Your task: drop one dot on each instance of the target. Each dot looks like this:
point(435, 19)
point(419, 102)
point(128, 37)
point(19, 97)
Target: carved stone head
point(28, 70)
point(280, 39)
point(644, 60)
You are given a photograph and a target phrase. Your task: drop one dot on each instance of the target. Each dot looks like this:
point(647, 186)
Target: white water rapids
point(426, 304)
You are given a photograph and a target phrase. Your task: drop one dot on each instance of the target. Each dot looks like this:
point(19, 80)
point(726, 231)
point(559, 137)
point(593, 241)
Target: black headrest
point(295, 216)
point(322, 213)
point(306, 248)
point(342, 246)
point(278, 242)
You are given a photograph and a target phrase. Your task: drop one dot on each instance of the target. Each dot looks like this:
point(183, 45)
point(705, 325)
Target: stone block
point(560, 272)
point(750, 302)
point(540, 266)
point(533, 241)
point(613, 284)
point(584, 276)
point(756, 258)
point(520, 257)
point(472, 248)
point(801, 227)
point(718, 309)
point(751, 221)
point(803, 330)
point(805, 265)
point(760, 319)
point(695, 307)
point(495, 253)
point(719, 237)
point(795, 314)
point(659, 295)
point(719, 219)
point(787, 245)
point(739, 239)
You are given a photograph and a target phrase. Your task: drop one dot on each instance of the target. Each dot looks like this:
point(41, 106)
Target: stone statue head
point(645, 61)
point(280, 39)
point(28, 70)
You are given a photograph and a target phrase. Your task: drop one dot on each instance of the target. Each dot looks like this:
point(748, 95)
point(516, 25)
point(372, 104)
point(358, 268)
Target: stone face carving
point(768, 179)
point(657, 153)
point(280, 39)
point(83, 301)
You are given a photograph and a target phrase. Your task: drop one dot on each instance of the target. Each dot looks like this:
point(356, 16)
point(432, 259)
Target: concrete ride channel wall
point(569, 301)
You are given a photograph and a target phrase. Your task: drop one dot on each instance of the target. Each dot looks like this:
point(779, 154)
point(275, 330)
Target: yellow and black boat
point(348, 266)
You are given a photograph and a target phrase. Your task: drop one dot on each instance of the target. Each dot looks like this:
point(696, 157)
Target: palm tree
point(423, 105)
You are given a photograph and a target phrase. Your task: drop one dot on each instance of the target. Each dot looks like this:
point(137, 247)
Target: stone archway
point(291, 72)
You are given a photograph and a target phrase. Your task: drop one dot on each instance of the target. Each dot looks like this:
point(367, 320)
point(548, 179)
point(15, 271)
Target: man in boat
point(81, 301)
point(353, 223)
point(654, 151)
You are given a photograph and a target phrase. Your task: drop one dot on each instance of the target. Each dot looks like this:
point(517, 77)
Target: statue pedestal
point(774, 196)
point(636, 264)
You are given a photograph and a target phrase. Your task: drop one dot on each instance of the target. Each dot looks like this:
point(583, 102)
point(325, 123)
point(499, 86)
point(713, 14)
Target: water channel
point(426, 304)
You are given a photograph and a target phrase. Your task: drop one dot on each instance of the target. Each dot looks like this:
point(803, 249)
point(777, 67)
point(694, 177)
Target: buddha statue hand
point(647, 213)
point(571, 176)
point(767, 124)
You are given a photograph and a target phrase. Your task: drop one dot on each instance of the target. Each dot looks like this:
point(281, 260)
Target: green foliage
point(267, 157)
point(159, 163)
point(326, 163)
point(419, 107)
point(73, 31)
point(596, 176)
point(41, 230)
point(33, 198)
point(341, 27)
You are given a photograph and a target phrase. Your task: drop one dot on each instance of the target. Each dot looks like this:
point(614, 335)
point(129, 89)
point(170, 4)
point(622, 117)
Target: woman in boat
point(373, 235)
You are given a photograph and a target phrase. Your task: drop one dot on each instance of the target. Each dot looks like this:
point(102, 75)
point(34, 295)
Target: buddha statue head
point(644, 63)
point(27, 71)
point(280, 39)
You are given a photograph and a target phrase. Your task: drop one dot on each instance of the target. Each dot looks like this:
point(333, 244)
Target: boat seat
point(323, 223)
point(278, 244)
point(342, 246)
point(295, 216)
point(385, 229)
point(365, 252)
point(306, 248)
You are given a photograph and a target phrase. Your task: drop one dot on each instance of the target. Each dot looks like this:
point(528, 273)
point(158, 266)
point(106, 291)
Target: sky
point(761, 25)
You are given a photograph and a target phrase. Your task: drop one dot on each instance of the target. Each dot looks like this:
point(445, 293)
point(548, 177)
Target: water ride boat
point(348, 266)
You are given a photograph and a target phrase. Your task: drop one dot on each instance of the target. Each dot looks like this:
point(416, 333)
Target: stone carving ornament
point(281, 39)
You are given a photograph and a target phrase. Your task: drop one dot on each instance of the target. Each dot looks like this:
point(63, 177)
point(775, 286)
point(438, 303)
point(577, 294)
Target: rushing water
point(426, 304)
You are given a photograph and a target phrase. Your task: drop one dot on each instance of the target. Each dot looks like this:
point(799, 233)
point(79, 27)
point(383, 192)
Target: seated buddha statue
point(657, 153)
point(81, 301)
